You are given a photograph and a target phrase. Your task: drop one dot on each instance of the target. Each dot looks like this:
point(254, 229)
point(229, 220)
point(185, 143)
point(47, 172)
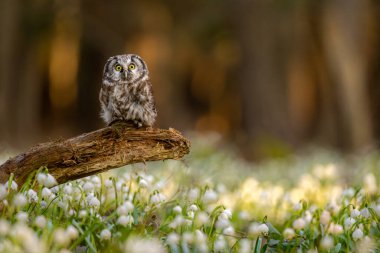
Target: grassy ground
point(210, 202)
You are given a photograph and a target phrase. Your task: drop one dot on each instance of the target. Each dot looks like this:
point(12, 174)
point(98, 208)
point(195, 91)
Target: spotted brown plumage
point(126, 93)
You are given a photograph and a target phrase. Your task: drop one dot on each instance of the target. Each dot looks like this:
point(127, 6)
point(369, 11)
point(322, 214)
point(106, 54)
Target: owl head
point(125, 68)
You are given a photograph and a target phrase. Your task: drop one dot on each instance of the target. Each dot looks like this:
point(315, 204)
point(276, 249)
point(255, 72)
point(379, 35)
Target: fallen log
point(96, 152)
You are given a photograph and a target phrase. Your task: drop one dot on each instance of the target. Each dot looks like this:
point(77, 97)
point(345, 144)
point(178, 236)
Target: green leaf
point(259, 241)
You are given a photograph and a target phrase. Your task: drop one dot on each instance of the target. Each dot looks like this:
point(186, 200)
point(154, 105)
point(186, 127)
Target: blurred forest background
point(267, 75)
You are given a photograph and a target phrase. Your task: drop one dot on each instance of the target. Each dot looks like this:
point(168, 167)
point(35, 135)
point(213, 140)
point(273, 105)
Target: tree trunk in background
point(9, 17)
point(347, 38)
point(261, 72)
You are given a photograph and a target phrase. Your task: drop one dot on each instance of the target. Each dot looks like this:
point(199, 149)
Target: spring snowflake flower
point(210, 196)
point(220, 244)
point(325, 217)
point(335, 229)
point(46, 193)
point(3, 192)
point(143, 183)
point(177, 221)
point(22, 217)
point(60, 237)
point(19, 200)
point(327, 242)
point(27, 238)
point(105, 235)
point(355, 213)
point(177, 209)
point(139, 245)
point(222, 222)
point(4, 227)
point(41, 178)
point(88, 187)
point(93, 201)
point(256, 229)
point(82, 213)
point(172, 238)
point(229, 231)
point(299, 224)
point(365, 213)
point(32, 196)
point(297, 206)
point(125, 220)
point(357, 234)
point(348, 222)
point(195, 208)
point(50, 181)
point(72, 232)
point(125, 209)
point(40, 221)
point(188, 237)
point(289, 233)
point(245, 246)
point(193, 194)
point(157, 198)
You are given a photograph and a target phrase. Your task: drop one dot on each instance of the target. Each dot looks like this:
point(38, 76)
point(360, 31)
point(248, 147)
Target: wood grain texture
point(96, 152)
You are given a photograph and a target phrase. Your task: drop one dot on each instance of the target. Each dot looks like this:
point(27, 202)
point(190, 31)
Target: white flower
point(289, 233)
point(140, 245)
point(41, 177)
point(14, 185)
point(348, 222)
point(22, 217)
point(194, 207)
point(210, 196)
point(365, 213)
point(355, 213)
point(193, 194)
point(357, 234)
point(50, 181)
point(226, 214)
point(222, 222)
point(72, 232)
point(245, 246)
point(88, 187)
point(256, 229)
point(172, 238)
point(3, 192)
point(297, 206)
point(229, 231)
point(220, 244)
point(93, 201)
point(187, 237)
point(82, 213)
point(325, 217)
point(157, 198)
point(4, 227)
point(335, 229)
point(32, 196)
point(143, 183)
point(299, 224)
point(125, 220)
point(178, 221)
point(327, 242)
point(60, 237)
point(177, 209)
point(263, 229)
point(105, 235)
point(46, 193)
point(40, 221)
point(19, 200)
point(108, 183)
point(349, 193)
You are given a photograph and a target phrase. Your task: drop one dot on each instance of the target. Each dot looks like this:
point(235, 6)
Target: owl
point(126, 92)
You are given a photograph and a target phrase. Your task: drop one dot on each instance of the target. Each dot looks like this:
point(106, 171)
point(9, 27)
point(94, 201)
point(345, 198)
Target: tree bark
point(96, 152)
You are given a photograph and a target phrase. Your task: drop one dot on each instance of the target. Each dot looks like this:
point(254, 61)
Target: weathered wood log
point(97, 151)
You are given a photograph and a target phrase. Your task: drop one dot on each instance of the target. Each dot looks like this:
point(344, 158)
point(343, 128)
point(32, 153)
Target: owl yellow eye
point(132, 66)
point(118, 67)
